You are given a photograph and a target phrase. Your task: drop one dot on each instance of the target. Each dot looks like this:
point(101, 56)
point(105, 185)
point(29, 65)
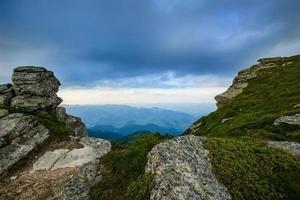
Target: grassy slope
point(123, 175)
point(272, 94)
point(246, 166)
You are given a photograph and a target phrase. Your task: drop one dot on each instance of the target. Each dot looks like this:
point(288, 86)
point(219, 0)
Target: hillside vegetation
point(244, 121)
point(251, 170)
point(273, 93)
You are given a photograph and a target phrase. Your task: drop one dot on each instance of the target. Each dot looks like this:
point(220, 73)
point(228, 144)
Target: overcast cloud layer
point(145, 43)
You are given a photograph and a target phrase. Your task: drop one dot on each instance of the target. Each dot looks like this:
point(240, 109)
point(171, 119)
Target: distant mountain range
point(115, 121)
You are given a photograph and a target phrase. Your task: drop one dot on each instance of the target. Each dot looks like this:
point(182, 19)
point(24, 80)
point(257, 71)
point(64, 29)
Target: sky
point(144, 51)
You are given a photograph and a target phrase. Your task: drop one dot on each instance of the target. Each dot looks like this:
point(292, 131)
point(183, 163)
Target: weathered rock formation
point(35, 89)
point(240, 82)
point(182, 171)
point(26, 148)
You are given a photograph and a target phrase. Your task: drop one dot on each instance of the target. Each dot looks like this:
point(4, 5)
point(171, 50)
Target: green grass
point(273, 93)
point(251, 170)
point(123, 175)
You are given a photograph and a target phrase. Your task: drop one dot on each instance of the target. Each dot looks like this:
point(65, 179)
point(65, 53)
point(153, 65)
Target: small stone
point(296, 106)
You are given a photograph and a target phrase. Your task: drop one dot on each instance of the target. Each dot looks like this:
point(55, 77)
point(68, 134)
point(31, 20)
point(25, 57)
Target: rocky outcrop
point(291, 147)
point(293, 120)
point(68, 172)
point(182, 171)
point(35, 89)
point(240, 82)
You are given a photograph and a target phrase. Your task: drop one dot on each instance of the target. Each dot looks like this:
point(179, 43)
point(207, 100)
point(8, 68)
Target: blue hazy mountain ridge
point(124, 120)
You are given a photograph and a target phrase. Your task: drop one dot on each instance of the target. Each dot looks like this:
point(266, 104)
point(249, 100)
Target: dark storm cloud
point(88, 41)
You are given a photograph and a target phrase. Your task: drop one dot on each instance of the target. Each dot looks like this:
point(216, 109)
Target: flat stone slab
point(64, 158)
point(76, 158)
point(47, 161)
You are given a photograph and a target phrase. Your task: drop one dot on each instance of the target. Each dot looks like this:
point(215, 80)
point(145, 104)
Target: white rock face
point(182, 171)
point(63, 158)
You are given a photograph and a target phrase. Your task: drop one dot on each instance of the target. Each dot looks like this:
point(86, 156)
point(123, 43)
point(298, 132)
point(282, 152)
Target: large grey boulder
point(182, 171)
point(35, 89)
